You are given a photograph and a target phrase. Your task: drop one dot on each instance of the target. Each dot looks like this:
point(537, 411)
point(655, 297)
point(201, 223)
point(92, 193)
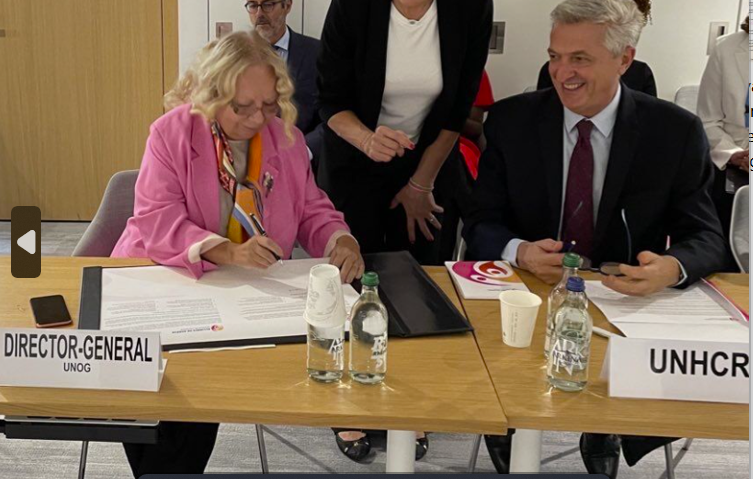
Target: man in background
point(269, 18)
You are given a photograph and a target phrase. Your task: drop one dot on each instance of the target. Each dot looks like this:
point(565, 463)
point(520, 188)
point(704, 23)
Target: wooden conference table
point(531, 406)
point(433, 384)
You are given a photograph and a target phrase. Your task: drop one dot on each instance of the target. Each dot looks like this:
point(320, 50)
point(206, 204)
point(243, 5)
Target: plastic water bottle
point(326, 316)
point(567, 367)
point(368, 334)
point(570, 264)
point(326, 359)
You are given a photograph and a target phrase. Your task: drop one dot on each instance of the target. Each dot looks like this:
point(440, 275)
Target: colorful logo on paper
point(217, 327)
point(495, 273)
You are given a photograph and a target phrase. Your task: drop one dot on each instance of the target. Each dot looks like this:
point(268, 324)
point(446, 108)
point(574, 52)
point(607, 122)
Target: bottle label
point(336, 349)
point(379, 351)
point(569, 356)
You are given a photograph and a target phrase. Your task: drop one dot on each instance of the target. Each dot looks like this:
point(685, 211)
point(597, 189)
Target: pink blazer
point(177, 200)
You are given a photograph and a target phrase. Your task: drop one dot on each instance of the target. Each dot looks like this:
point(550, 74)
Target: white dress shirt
point(282, 47)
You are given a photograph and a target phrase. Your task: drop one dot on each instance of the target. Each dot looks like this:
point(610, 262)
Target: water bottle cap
point(571, 260)
point(576, 285)
point(370, 279)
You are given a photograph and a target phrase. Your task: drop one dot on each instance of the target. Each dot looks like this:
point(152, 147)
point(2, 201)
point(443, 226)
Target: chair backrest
point(108, 224)
point(739, 234)
point(687, 97)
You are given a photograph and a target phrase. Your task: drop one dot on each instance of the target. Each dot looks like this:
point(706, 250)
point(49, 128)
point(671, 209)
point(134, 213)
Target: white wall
point(193, 29)
point(198, 18)
point(674, 45)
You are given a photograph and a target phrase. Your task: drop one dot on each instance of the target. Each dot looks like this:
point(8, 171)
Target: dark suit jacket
point(659, 172)
point(302, 54)
point(639, 77)
point(352, 68)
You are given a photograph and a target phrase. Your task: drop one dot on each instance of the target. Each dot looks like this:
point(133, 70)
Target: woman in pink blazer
point(178, 213)
point(218, 157)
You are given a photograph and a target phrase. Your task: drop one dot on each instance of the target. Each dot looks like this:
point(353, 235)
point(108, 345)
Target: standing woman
point(397, 79)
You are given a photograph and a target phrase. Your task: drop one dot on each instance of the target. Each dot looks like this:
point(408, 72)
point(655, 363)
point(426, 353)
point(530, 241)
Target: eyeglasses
point(266, 7)
point(247, 111)
point(609, 268)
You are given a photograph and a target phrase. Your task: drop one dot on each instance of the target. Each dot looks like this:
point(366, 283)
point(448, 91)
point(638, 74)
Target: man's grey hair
point(623, 20)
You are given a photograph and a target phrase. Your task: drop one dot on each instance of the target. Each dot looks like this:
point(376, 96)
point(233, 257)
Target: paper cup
point(518, 311)
point(325, 305)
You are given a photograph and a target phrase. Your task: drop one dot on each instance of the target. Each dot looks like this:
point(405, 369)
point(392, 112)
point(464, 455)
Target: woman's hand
point(419, 209)
point(257, 253)
point(254, 253)
point(385, 144)
point(347, 256)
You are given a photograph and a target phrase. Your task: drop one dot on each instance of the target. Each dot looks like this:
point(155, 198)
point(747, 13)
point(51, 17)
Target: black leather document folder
point(416, 305)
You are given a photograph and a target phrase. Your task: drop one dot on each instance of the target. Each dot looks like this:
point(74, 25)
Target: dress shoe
point(601, 453)
point(355, 450)
point(422, 447)
point(499, 450)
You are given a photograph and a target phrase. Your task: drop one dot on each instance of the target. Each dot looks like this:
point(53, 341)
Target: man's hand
point(653, 275)
point(740, 160)
point(385, 144)
point(543, 259)
point(347, 256)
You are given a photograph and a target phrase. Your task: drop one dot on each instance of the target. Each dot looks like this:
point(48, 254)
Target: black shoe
point(499, 450)
point(354, 450)
point(601, 453)
point(422, 447)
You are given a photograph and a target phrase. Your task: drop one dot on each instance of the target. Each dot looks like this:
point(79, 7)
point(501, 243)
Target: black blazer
point(659, 172)
point(302, 54)
point(353, 59)
point(639, 77)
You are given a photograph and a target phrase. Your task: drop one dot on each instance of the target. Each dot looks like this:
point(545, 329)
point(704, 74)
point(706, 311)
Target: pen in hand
point(260, 229)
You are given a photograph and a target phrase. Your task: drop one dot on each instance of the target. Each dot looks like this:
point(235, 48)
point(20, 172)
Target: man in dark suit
point(269, 18)
point(592, 162)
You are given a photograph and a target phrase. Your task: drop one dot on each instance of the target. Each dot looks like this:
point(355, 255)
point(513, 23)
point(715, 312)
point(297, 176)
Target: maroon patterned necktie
point(578, 215)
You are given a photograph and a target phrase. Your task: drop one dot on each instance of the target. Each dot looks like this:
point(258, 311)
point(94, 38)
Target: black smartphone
point(50, 311)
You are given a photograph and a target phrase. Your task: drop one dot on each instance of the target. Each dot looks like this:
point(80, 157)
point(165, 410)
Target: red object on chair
point(470, 151)
point(471, 155)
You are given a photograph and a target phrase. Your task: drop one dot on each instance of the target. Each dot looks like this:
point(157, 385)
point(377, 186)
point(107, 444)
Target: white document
point(484, 279)
point(228, 304)
point(690, 314)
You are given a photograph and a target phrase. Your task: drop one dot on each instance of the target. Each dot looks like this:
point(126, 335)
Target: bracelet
point(423, 189)
point(366, 139)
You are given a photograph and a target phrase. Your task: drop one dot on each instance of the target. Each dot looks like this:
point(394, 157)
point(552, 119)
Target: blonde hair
point(623, 18)
point(210, 82)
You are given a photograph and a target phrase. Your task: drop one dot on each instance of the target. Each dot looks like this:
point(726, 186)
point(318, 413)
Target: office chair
point(108, 224)
point(687, 97)
point(739, 235)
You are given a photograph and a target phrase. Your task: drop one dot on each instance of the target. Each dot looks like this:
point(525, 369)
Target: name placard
point(680, 370)
point(81, 359)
